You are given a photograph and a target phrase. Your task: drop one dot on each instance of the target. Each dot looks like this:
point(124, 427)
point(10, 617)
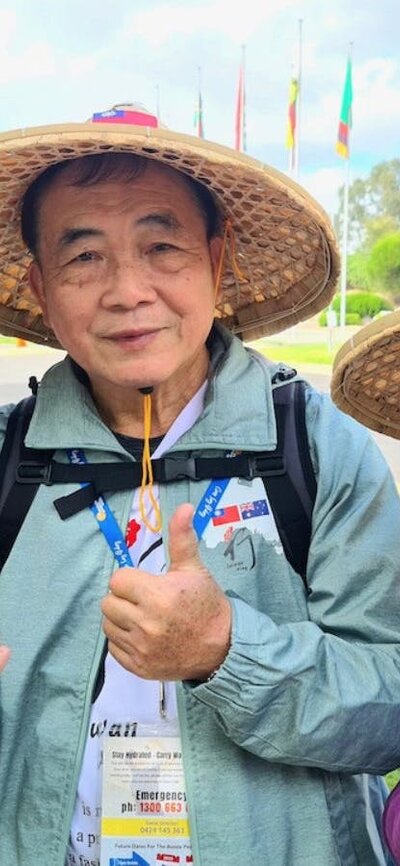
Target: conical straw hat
point(366, 376)
point(282, 243)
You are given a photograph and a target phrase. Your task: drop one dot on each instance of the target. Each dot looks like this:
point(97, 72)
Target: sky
point(62, 60)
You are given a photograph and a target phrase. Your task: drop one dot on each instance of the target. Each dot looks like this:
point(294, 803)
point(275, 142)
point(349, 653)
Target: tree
point(383, 265)
point(358, 274)
point(374, 205)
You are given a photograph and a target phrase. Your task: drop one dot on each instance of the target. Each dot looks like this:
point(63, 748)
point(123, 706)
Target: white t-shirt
point(125, 699)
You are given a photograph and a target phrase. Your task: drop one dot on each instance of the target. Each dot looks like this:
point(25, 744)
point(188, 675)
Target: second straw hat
point(366, 376)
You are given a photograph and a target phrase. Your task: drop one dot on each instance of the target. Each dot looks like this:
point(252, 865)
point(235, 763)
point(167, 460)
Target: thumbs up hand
point(4, 656)
point(174, 626)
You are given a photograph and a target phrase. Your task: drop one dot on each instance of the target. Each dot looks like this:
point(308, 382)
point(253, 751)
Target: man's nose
point(129, 283)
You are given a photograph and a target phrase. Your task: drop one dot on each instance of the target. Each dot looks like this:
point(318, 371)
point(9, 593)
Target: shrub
point(363, 305)
point(384, 264)
point(353, 319)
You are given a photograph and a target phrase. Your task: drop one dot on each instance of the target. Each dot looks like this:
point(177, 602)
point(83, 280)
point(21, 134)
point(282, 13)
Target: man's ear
point(36, 285)
point(216, 251)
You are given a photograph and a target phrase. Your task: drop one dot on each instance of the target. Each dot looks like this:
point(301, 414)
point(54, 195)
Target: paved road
point(16, 368)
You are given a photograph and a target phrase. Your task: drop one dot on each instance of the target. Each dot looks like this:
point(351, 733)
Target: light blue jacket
point(308, 697)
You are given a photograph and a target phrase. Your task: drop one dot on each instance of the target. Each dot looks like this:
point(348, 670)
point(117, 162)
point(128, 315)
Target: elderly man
point(147, 250)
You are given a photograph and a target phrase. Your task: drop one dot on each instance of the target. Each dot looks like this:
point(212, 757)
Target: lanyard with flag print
point(112, 532)
point(105, 519)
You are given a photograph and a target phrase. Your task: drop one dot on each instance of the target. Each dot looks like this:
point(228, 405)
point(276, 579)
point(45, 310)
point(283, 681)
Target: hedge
point(360, 307)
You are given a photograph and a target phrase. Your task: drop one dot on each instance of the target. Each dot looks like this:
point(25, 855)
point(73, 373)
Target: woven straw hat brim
point(284, 243)
point(366, 376)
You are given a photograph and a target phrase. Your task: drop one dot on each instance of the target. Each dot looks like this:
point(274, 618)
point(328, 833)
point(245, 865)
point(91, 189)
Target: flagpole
point(157, 102)
point(345, 235)
point(244, 137)
point(296, 161)
point(199, 105)
point(240, 114)
point(290, 163)
point(198, 116)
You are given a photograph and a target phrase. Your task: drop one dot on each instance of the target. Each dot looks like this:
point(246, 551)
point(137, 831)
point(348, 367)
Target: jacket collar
point(238, 410)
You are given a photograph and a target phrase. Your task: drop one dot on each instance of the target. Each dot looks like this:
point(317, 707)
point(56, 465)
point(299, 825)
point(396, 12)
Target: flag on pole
point(343, 139)
point(198, 117)
point(291, 121)
point(240, 122)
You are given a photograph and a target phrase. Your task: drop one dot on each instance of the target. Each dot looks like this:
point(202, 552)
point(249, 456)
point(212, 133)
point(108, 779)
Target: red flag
point(229, 514)
point(240, 136)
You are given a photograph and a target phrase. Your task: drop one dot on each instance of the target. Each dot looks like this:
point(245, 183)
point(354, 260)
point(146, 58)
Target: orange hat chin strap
point(229, 235)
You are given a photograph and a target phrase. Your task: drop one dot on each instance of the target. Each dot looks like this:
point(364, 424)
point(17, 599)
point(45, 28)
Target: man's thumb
point(183, 544)
point(4, 656)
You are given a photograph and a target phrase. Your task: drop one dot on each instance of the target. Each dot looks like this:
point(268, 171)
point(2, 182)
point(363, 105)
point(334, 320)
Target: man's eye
point(87, 256)
point(163, 248)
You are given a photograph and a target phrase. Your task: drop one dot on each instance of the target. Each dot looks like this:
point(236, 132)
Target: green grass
point(307, 353)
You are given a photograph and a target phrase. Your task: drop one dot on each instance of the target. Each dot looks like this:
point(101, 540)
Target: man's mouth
point(133, 336)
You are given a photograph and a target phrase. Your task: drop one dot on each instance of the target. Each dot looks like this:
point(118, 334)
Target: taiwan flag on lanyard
point(230, 514)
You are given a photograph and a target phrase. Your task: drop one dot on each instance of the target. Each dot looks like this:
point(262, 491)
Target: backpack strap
point(101, 478)
point(15, 499)
point(292, 493)
point(287, 473)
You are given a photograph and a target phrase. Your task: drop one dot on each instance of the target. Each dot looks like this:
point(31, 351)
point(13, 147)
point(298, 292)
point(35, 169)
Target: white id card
point(145, 812)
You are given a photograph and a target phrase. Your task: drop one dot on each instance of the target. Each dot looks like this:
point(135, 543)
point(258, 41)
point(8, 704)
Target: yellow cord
point(147, 471)
point(228, 233)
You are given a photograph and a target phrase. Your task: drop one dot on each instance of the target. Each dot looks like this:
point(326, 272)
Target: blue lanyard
point(208, 505)
point(106, 521)
point(111, 529)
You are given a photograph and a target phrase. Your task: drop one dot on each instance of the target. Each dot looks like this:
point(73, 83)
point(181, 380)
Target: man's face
point(125, 276)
